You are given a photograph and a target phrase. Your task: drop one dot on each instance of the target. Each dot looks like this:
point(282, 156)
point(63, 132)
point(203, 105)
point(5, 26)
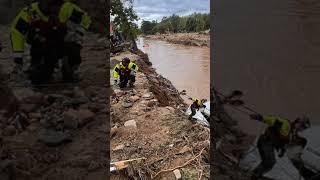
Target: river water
point(187, 67)
point(271, 51)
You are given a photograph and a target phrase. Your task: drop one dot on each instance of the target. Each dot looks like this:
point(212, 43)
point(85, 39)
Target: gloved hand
point(204, 106)
point(256, 117)
point(133, 72)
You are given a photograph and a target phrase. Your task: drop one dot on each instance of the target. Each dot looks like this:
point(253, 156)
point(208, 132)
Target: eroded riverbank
point(148, 122)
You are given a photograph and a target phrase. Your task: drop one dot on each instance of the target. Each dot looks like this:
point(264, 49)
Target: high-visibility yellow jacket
point(21, 23)
point(285, 128)
point(117, 68)
point(197, 102)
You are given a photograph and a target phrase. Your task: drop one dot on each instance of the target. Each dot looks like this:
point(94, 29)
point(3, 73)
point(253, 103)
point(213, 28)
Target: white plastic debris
point(199, 116)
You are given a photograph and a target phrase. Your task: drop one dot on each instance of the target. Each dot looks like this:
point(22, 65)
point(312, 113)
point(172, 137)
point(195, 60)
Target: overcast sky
point(157, 9)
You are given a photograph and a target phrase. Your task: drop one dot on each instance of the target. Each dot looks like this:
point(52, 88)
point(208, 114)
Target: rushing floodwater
point(271, 51)
point(187, 67)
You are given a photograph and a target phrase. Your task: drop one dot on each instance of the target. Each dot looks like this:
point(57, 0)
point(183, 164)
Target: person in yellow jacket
point(196, 105)
point(126, 72)
point(54, 29)
point(276, 137)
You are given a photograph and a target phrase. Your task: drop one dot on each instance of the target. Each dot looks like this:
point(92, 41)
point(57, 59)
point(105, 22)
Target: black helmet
point(50, 6)
point(125, 61)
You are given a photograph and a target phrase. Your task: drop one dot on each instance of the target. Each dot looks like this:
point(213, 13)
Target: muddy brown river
point(187, 67)
point(271, 51)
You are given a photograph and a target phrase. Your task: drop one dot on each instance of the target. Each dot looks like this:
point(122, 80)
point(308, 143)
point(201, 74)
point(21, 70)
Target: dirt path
point(148, 122)
point(191, 39)
point(59, 131)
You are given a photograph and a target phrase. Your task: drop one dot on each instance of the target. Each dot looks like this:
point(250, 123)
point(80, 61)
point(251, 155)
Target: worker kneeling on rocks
point(277, 136)
point(126, 71)
point(54, 29)
point(196, 105)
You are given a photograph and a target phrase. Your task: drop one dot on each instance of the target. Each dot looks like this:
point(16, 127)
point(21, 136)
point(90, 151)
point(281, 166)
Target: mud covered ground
point(59, 131)
point(148, 122)
point(192, 39)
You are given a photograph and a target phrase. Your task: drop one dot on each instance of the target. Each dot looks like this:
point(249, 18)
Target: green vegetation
point(187, 174)
point(194, 23)
point(124, 17)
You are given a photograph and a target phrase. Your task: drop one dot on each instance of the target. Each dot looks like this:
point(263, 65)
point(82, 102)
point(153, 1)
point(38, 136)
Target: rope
point(244, 106)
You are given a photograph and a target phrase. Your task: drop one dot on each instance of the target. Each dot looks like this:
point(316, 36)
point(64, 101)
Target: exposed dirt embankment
point(148, 122)
point(58, 131)
point(191, 39)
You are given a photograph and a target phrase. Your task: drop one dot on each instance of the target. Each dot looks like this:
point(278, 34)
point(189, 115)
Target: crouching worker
point(196, 105)
point(275, 137)
point(53, 29)
point(126, 71)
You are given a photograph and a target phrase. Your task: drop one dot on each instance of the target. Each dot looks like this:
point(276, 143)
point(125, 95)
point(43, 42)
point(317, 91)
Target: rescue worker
point(276, 137)
point(54, 29)
point(126, 71)
point(196, 105)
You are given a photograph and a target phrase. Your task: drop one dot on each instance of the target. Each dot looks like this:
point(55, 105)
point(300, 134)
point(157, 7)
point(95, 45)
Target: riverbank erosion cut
point(149, 122)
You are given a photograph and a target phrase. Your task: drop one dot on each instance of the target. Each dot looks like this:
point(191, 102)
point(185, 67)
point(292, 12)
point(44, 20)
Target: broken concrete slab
point(177, 174)
point(130, 124)
point(119, 147)
point(127, 104)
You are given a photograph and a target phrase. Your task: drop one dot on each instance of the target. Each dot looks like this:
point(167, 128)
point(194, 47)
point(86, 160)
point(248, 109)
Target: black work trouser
point(72, 51)
point(124, 79)
point(72, 59)
point(43, 60)
point(193, 111)
point(268, 160)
